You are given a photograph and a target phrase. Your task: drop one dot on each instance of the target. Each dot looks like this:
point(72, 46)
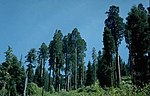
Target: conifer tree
point(31, 58)
point(137, 39)
point(115, 23)
point(10, 81)
point(56, 58)
point(67, 53)
point(43, 55)
point(89, 80)
point(106, 69)
point(94, 57)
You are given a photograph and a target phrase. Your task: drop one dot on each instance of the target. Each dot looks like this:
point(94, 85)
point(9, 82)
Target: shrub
point(3, 92)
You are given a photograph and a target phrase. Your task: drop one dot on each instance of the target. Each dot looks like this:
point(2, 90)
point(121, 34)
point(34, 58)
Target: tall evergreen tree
point(107, 67)
point(37, 76)
point(74, 37)
point(81, 48)
point(51, 64)
point(43, 56)
point(56, 58)
point(46, 80)
point(137, 39)
point(148, 43)
point(67, 52)
point(89, 80)
point(94, 57)
point(115, 23)
point(31, 58)
point(74, 47)
point(12, 82)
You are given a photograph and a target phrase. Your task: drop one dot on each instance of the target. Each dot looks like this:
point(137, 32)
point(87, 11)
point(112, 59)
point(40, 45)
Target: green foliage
point(89, 75)
point(33, 88)
point(56, 60)
point(115, 23)
point(36, 91)
point(116, 26)
point(66, 54)
point(3, 92)
point(37, 76)
point(94, 90)
point(52, 90)
point(106, 66)
point(137, 38)
point(43, 51)
point(31, 58)
point(94, 65)
point(11, 74)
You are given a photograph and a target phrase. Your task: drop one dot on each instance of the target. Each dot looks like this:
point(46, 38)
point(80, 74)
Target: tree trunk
point(82, 73)
point(49, 79)
point(43, 65)
point(54, 74)
point(67, 73)
point(68, 79)
point(118, 69)
point(26, 83)
point(75, 70)
point(112, 71)
point(59, 79)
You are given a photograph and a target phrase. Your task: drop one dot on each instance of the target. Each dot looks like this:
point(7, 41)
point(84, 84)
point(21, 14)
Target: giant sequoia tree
point(77, 48)
point(115, 23)
point(56, 58)
point(74, 36)
point(107, 67)
point(67, 53)
point(74, 47)
point(81, 48)
point(137, 38)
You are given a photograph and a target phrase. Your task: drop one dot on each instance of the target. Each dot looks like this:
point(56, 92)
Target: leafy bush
point(36, 91)
point(125, 89)
point(94, 90)
point(3, 92)
point(33, 88)
point(52, 89)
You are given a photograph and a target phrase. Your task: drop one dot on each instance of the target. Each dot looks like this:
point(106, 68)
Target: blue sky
point(25, 24)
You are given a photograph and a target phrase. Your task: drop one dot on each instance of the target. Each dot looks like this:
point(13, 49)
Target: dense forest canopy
point(60, 66)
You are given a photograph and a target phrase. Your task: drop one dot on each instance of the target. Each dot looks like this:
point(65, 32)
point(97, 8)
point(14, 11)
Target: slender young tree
point(43, 56)
point(31, 58)
point(51, 64)
point(94, 57)
point(89, 80)
point(81, 48)
point(99, 64)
